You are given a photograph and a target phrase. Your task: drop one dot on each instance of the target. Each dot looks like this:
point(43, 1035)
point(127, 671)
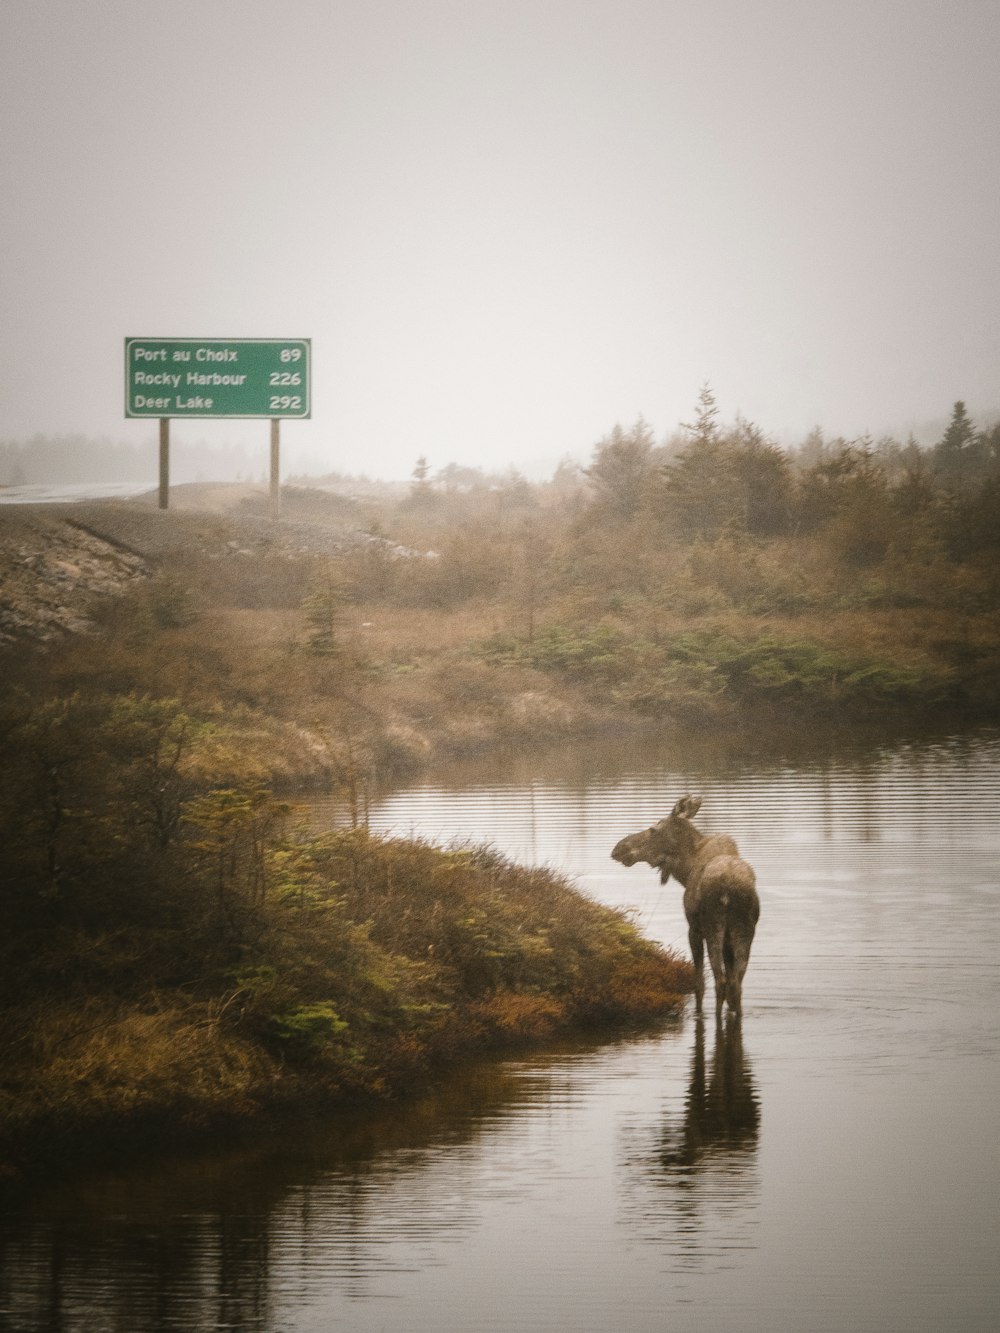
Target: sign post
point(275, 468)
point(164, 461)
point(218, 377)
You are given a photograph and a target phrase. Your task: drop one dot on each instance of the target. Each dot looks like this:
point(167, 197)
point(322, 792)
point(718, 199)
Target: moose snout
point(623, 852)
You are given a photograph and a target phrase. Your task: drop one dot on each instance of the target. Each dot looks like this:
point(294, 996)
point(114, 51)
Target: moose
point(720, 896)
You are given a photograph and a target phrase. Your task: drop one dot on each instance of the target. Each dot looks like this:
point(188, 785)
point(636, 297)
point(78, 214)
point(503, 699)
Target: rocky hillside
point(52, 569)
point(56, 559)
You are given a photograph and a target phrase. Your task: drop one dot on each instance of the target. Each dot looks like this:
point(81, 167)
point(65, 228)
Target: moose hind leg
point(739, 948)
point(697, 943)
point(715, 943)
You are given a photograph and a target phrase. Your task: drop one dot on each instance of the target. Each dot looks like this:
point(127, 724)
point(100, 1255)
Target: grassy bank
point(241, 974)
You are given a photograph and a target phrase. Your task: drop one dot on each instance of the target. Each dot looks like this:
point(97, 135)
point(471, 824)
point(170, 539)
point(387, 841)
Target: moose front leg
point(697, 942)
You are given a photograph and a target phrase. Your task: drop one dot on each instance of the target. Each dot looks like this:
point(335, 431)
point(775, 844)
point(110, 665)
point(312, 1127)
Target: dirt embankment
point(56, 559)
point(51, 571)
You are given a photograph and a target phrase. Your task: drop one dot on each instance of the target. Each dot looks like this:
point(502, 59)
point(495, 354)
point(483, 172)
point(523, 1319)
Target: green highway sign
point(217, 377)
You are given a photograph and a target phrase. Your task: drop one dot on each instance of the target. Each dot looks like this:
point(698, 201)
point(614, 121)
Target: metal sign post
point(275, 468)
point(218, 377)
point(164, 462)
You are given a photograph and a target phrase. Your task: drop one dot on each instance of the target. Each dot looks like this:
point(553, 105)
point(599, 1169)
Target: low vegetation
point(177, 956)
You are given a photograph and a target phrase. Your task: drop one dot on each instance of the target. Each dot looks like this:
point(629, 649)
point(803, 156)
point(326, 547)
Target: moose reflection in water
point(692, 1178)
point(722, 1116)
point(720, 896)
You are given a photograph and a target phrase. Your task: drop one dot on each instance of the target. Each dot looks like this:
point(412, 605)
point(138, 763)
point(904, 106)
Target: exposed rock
point(51, 570)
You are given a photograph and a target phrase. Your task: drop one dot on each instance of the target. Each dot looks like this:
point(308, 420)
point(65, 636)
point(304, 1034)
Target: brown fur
point(720, 896)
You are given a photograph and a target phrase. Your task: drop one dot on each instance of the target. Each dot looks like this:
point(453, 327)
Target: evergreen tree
point(422, 494)
point(623, 469)
point(698, 496)
point(960, 433)
point(421, 476)
point(759, 475)
point(704, 430)
point(960, 456)
point(322, 606)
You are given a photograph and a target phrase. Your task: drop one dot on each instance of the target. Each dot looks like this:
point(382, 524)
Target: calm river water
point(834, 1165)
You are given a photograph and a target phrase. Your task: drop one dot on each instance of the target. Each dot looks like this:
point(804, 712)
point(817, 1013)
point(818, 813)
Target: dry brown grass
point(407, 633)
point(516, 1017)
point(106, 1062)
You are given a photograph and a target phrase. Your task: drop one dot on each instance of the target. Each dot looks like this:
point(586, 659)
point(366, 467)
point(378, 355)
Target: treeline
point(718, 578)
point(873, 493)
point(708, 478)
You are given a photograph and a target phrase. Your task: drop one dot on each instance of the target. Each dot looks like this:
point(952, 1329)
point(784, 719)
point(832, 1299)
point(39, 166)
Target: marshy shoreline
point(341, 969)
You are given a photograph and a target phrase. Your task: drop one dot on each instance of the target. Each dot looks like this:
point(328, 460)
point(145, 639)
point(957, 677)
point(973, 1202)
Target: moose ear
point(687, 807)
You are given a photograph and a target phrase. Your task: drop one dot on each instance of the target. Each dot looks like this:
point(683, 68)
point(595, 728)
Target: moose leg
point(715, 942)
point(697, 943)
point(739, 942)
point(728, 965)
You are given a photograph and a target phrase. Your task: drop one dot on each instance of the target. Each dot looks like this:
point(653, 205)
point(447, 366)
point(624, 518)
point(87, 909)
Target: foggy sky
point(506, 226)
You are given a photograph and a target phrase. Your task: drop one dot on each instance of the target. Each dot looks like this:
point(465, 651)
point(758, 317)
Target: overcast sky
point(506, 226)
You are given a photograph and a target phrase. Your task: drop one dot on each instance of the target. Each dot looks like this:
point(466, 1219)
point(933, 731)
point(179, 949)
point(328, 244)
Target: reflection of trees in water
point(242, 1239)
point(692, 1183)
point(135, 1274)
point(226, 1241)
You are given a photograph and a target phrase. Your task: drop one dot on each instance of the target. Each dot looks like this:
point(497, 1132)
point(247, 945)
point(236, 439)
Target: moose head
point(665, 846)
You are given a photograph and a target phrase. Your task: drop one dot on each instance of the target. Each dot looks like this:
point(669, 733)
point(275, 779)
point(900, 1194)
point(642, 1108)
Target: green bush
point(767, 670)
point(308, 1027)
